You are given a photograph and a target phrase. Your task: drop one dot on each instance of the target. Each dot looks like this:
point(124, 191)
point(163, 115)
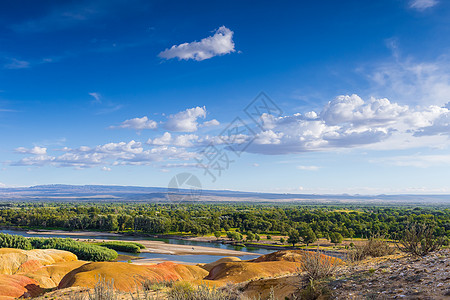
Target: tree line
point(303, 223)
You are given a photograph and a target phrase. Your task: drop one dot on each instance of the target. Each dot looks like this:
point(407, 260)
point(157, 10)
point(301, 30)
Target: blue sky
point(135, 92)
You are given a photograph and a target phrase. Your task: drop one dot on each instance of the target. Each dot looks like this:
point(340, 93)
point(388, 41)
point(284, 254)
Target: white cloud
point(2, 185)
point(106, 169)
point(165, 139)
point(422, 4)
point(138, 124)
point(256, 165)
point(210, 123)
point(219, 44)
point(17, 64)
point(407, 81)
point(122, 153)
point(96, 96)
point(35, 150)
point(308, 168)
point(349, 121)
point(185, 121)
point(352, 109)
point(184, 140)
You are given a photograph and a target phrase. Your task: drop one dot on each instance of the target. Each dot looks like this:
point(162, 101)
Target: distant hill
point(57, 192)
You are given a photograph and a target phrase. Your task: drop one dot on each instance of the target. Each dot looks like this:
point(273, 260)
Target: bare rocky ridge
point(396, 277)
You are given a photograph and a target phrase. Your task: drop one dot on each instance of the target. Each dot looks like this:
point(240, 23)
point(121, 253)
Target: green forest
point(203, 219)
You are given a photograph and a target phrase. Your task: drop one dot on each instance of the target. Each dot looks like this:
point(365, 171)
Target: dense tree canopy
point(201, 219)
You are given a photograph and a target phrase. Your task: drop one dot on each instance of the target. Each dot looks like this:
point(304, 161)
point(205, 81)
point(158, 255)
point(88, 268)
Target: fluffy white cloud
point(184, 140)
point(183, 121)
point(352, 109)
point(438, 123)
point(131, 153)
point(210, 123)
point(219, 44)
point(349, 121)
point(422, 4)
point(345, 122)
point(35, 150)
point(186, 121)
point(138, 124)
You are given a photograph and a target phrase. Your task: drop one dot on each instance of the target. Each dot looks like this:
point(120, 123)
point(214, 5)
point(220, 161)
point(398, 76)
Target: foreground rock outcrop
point(127, 277)
point(24, 273)
point(13, 261)
point(395, 277)
point(15, 286)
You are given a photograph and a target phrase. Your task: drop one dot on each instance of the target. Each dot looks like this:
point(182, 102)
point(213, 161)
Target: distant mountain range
point(91, 193)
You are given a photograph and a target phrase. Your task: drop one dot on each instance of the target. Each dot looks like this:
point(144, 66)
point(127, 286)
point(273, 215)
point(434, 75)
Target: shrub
point(129, 247)
point(154, 285)
point(376, 246)
point(185, 291)
point(14, 241)
point(318, 266)
point(103, 291)
point(82, 250)
point(419, 240)
point(315, 290)
point(269, 237)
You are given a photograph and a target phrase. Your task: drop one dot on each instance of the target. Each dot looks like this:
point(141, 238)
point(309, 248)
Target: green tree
point(336, 238)
point(217, 234)
point(294, 237)
point(309, 237)
point(250, 236)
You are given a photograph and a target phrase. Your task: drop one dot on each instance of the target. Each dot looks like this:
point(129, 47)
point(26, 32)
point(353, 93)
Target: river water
point(156, 256)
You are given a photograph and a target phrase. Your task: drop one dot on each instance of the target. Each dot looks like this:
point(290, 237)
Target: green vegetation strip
point(130, 247)
point(83, 251)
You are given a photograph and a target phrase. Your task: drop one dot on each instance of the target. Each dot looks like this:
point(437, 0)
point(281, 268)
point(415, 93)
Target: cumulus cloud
point(210, 123)
point(422, 4)
point(122, 153)
point(438, 123)
point(183, 121)
point(349, 121)
point(184, 140)
point(219, 44)
point(35, 150)
point(353, 109)
point(186, 121)
point(138, 124)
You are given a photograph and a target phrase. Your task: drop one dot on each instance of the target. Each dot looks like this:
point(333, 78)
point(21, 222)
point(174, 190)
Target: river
point(157, 256)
